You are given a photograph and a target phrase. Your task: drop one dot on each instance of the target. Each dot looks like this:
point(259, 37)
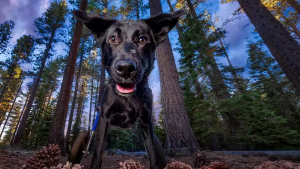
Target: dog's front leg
point(99, 143)
point(152, 144)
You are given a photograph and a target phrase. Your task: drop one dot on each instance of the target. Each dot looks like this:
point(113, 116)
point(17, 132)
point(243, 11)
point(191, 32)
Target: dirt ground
point(15, 160)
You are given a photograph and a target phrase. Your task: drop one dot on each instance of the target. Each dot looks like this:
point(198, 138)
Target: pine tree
point(194, 36)
point(178, 136)
point(5, 35)
point(133, 9)
point(41, 116)
point(48, 27)
point(82, 52)
point(21, 53)
point(80, 102)
point(61, 110)
point(294, 4)
point(269, 81)
point(12, 107)
point(119, 139)
point(281, 44)
point(159, 129)
point(220, 34)
point(12, 88)
point(279, 9)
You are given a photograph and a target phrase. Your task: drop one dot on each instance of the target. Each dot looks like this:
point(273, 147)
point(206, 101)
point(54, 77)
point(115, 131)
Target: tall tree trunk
point(96, 102)
point(196, 82)
point(20, 117)
point(295, 5)
point(67, 141)
point(50, 95)
point(102, 74)
point(281, 44)
point(216, 78)
point(34, 89)
point(81, 98)
point(61, 110)
point(295, 30)
point(293, 26)
point(232, 70)
point(12, 107)
point(137, 10)
point(179, 134)
point(219, 88)
point(102, 84)
point(197, 86)
point(198, 90)
point(214, 74)
point(91, 100)
point(11, 72)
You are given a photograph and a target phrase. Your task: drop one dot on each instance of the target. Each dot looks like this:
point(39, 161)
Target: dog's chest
point(122, 116)
point(121, 112)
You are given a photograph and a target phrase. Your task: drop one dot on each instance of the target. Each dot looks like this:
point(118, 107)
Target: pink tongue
point(122, 89)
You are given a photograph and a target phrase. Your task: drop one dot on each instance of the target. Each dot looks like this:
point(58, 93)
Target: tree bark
point(91, 100)
point(22, 125)
point(293, 26)
point(12, 106)
point(101, 87)
point(61, 110)
point(102, 71)
point(295, 5)
point(96, 102)
point(219, 88)
point(20, 117)
point(198, 90)
point(178, 130)
point(281, 44)
point(50, 95)
point(102, 82)
point(137, 10)
point(215, 76)
point(67, 141)
point(295, 30)
point(81, 98)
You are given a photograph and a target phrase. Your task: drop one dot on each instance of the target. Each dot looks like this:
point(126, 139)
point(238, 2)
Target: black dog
point(128, 50)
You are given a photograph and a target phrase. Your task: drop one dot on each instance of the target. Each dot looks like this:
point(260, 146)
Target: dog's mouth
point(125, 88)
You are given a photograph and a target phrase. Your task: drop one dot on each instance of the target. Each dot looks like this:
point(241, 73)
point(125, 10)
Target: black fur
point(119, 109)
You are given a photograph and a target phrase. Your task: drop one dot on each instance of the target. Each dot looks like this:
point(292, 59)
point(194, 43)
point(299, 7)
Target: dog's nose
point(125, 68)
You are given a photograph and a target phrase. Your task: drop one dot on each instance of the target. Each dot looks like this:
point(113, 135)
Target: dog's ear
point(95, 24)
point(162, 23)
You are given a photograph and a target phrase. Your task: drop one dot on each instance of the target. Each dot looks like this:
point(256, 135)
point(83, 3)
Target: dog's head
point(128, 46)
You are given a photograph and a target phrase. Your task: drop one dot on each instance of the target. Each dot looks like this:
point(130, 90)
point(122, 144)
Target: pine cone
point(45, 158)
point(218, 165)
point(199, 159)
point(130, 164)
point(178, 165)
point(278, 165)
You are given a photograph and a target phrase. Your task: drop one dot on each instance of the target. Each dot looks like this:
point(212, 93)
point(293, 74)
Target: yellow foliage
point(180, 4)
point(264, 95)
point(18, 72)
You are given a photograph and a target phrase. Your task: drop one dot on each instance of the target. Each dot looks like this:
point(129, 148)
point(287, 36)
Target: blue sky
point(24, 12)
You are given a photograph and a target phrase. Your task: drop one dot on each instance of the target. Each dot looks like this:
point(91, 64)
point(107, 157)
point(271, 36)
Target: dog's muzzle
point(126, 69)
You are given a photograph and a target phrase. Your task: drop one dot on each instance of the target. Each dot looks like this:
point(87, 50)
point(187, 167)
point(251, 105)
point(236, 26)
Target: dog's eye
point(142, 39)
point(112, 39)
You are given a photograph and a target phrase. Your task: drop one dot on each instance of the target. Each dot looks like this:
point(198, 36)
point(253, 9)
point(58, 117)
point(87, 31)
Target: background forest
point(233, 78)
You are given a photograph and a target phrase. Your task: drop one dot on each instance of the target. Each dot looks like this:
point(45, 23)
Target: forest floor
point(15, 160)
